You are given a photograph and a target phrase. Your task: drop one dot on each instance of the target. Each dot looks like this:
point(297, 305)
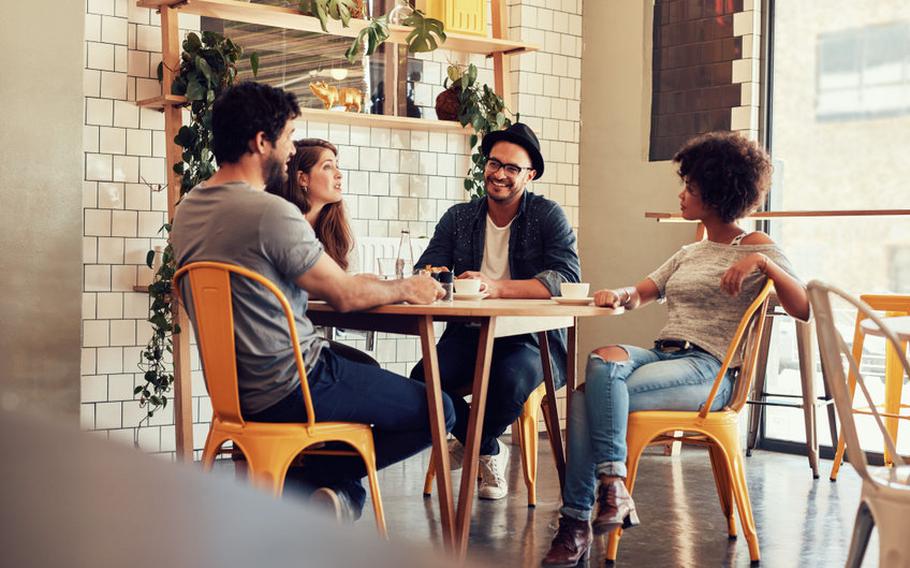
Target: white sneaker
point(456, 454)
point(493, 484)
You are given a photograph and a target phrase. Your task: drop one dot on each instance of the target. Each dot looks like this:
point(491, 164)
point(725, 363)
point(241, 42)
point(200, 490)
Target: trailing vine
point(208, 66)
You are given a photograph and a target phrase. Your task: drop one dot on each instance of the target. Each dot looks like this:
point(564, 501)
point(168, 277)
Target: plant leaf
point(254, 63)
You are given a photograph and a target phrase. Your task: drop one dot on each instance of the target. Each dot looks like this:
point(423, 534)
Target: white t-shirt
point(495, 264)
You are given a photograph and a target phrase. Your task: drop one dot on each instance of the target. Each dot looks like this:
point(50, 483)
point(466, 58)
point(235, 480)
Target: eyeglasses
point(493, 165)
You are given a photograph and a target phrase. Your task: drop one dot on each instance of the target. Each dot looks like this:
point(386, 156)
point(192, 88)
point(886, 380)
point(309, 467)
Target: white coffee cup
point(469, 286)
point(574, 289)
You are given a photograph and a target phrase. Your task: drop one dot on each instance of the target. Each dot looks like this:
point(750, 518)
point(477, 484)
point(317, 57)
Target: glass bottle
point(400, 12)
point(404, 262)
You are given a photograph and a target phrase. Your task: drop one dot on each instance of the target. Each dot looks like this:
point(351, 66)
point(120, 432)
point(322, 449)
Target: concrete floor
point(801, 521)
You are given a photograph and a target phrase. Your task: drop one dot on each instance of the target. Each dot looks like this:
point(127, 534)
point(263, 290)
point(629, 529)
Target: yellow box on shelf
point(461, 16)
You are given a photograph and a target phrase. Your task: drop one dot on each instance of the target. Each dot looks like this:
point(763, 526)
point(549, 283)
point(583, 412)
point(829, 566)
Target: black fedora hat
point(522, 135)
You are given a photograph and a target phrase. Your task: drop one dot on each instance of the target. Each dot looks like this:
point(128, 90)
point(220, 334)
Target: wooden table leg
point(475, 429)
point(807, 378)
point(556, 438)
point(438, 432)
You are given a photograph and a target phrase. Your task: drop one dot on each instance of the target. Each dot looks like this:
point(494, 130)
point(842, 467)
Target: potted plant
point(478, 106)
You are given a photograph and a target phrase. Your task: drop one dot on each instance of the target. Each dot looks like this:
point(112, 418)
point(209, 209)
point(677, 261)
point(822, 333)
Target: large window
point(840, 138)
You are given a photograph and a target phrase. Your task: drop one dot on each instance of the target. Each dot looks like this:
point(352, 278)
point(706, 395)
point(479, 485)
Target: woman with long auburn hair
point(314, 185)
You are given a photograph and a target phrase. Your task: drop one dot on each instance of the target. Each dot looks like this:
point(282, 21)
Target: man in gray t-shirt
point(230, 218)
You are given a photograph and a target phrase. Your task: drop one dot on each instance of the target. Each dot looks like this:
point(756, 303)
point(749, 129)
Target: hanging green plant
point(426, 33)
point(208, 66)
point(480, 107)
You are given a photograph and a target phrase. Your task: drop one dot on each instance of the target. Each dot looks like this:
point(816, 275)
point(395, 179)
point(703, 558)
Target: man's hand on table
point(421, 290)
point(493, 288)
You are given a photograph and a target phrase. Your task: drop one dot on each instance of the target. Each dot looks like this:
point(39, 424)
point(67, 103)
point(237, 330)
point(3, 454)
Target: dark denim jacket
point(542, 245)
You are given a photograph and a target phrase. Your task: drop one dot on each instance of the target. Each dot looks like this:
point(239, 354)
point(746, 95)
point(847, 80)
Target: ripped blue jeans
point(649, 380)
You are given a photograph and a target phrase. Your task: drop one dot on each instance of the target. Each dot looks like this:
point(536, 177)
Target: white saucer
point(572, 301)
point(469, 296)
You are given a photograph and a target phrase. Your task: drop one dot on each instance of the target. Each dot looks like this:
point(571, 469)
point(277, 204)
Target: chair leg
point(806, 368)
point(369, 459)
point(841, 445)
point(724, 487)
point(431, 475)
point(862, 530)
point(528, 439)
point(729, 444)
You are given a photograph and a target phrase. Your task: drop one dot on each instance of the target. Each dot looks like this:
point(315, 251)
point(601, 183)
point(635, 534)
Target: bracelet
point(628, 296)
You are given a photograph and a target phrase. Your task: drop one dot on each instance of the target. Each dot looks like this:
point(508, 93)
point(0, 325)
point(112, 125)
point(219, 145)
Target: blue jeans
point(346, 391)
point(649, 380)
point(515, 371)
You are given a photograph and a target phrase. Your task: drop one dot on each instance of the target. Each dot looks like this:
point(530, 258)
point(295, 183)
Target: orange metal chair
point(525, 429)
point(269, 447)
point(718, 431)
point(891, 305)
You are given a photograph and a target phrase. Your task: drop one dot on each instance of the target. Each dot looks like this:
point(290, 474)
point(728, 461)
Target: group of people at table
point(275, 207)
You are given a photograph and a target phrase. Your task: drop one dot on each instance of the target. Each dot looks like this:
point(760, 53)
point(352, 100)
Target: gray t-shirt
point(236, 224)
point(698, 309)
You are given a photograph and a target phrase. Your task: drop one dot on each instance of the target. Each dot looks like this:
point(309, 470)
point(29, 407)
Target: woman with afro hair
point(707, 286)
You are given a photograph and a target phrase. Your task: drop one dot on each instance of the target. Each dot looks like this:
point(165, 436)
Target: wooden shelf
point(663, 217)
point(292, 19)
point(339, 117)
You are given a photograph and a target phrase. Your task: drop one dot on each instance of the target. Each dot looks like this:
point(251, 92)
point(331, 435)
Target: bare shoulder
point(757, 238)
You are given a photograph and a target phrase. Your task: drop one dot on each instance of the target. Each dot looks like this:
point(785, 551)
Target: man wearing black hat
point(520, 245)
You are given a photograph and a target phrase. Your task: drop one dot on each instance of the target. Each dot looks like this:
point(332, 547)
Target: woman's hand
point(607, 299)
point(732, 280)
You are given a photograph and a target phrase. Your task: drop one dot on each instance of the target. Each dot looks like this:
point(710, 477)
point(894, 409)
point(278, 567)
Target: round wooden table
point(900, 325)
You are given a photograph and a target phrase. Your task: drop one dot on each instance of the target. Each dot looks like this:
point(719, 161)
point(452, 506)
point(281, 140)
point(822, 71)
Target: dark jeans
point(515, 371)
point(346, 391)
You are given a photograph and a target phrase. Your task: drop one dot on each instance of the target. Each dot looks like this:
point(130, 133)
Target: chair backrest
point(210, 290)
point(834, 353)
point(745, 342)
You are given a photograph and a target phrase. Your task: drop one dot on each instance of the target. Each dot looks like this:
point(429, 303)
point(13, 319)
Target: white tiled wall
point(395, 179)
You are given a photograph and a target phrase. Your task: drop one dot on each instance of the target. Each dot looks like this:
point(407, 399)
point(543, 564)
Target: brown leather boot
point(615, 507)
point(571, 543)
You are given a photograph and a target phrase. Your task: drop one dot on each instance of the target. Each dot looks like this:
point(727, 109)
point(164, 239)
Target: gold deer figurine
point(331, 96)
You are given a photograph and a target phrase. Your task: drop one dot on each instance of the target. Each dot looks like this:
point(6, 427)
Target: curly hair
point(332, 226)
point(732, 173)
point(245, 110)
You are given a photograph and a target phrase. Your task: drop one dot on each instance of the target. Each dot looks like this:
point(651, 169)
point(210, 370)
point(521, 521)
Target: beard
point(509, 188)
point(274, 173)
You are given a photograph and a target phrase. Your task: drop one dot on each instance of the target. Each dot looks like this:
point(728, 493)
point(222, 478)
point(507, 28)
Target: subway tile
point(120, 387)
point(113, 30)
point(149, 437)
point(418, 185)
point(90, 138)
point(153, 170)
point(126, 114)
point(339, 134)
point(407, 209)
point(420, 140)
point(436, 142)
point(100, 56)
point(379, 183)
point(109, 305)
point(389, 159)
point(360, 136)
point(317, 129)
point(380, 137)
point(97, 278)
point(436, 188)
point(112, 140)
point(120, 58)
point(358, 182)
point(136, 195)
point(97, 222)
point(131, 89)
point(89, 301)
point(368, 208)
point(87, 416)
point(348, 157)
point(427, 163)
point(151, 119)
point(388, 208)
point(95, 333)
point(126, 168)
point(369, 159)
point(123, 223)
point(123, 332)
point(147, 89)
point(110, 250)
point(137, 15)
point(400, 139)
point(399, 185)
point(158, 144)
point(445, 165)
point(410, 162)
point(123, 277)
point(92, 27)
point(107, 415)
point(105, 7)
point(93, 388)
point(91, 84)
point(99, 111)
point(138, 142)
point(89, 250)
point(148, 38)
point(136, 306)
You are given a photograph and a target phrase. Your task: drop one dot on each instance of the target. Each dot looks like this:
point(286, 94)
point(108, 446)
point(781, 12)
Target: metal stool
point(806, 401)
